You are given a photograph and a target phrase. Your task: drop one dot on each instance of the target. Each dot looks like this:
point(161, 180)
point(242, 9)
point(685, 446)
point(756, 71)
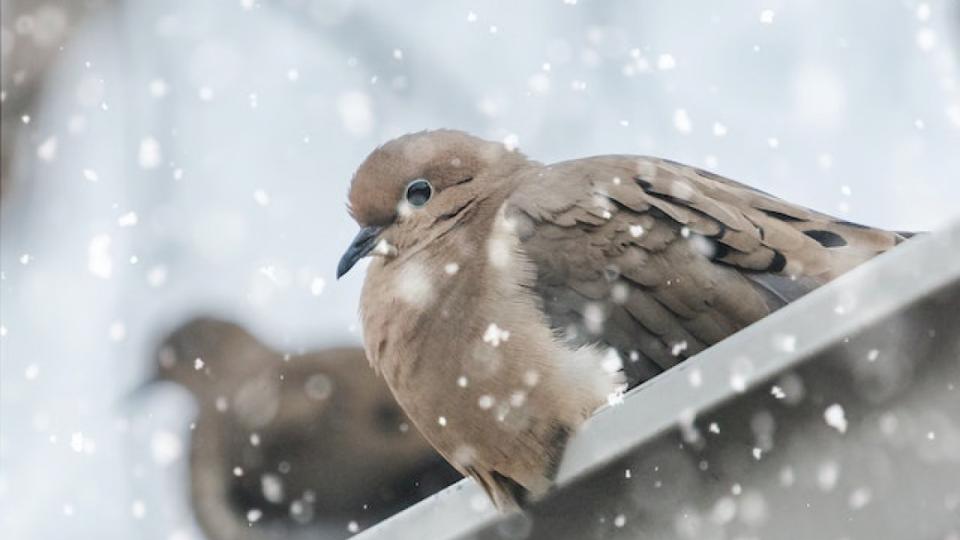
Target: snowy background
point(165, 159)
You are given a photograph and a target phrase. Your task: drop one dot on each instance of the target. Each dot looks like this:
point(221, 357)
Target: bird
point(283, 443)
point(506, 299)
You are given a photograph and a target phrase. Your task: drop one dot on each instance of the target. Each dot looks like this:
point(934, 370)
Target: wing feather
point(674, 258)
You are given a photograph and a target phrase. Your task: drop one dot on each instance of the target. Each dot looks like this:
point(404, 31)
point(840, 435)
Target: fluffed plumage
point(492, 307)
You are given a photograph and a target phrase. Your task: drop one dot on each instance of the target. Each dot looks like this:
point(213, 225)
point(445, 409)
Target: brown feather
point(678, 292)
point(558, 263)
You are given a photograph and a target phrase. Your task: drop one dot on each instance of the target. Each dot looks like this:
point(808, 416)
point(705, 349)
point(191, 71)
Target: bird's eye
point(418, 192)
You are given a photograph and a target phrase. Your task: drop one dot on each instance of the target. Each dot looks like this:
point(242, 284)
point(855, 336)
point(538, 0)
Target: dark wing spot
point(720, 233)
point(781, 216)
point(647, 186)
point(826, 238)
point(778, 262)
point(720, 251)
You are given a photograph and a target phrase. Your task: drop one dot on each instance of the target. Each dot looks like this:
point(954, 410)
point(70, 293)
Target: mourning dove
point(500, 286)
point(285, 443)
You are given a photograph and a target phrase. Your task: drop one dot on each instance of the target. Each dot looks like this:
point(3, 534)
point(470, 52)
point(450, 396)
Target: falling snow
point(99, 259)
point(149, 154)
point(494, 335)
point(681, 121)
point(835, 417)
point(47, 150)
point(209, 150)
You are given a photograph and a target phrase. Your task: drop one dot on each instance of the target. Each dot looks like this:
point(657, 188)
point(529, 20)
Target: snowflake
point(138, 509)
point(117, 331)
point(538, 83)
point(835, 417)
point(158, 88)
point(926, 39)
point(666, 62)
point(99, 261)
point(32, 372)
point(272, 487)
point(494, 335)
point(681, 121)
point(738, 382)
point(165, 447)
point(827, 475)
point(47, 150)
point(157, 276)
point(356, 112)
point(261, 197)
point(785, 342)
point(859, 498)
point(128, 220)
point(149, 155)
point(485, 402)
point(594, 317)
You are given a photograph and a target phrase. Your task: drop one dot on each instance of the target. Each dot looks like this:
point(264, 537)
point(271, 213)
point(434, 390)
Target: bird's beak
point(361, 246)
point(137, 394)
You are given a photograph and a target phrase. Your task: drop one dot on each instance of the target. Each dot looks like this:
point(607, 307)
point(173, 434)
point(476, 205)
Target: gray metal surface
point(837, 417)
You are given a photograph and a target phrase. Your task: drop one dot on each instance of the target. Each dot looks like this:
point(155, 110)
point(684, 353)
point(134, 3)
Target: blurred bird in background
point(567, 269)
point(285, 443)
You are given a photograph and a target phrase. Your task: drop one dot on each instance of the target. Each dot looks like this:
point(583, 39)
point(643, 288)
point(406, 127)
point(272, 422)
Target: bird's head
point(414, 188)
point(205, 352)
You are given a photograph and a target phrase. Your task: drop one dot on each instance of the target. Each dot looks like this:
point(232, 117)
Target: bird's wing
point(661, 260)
